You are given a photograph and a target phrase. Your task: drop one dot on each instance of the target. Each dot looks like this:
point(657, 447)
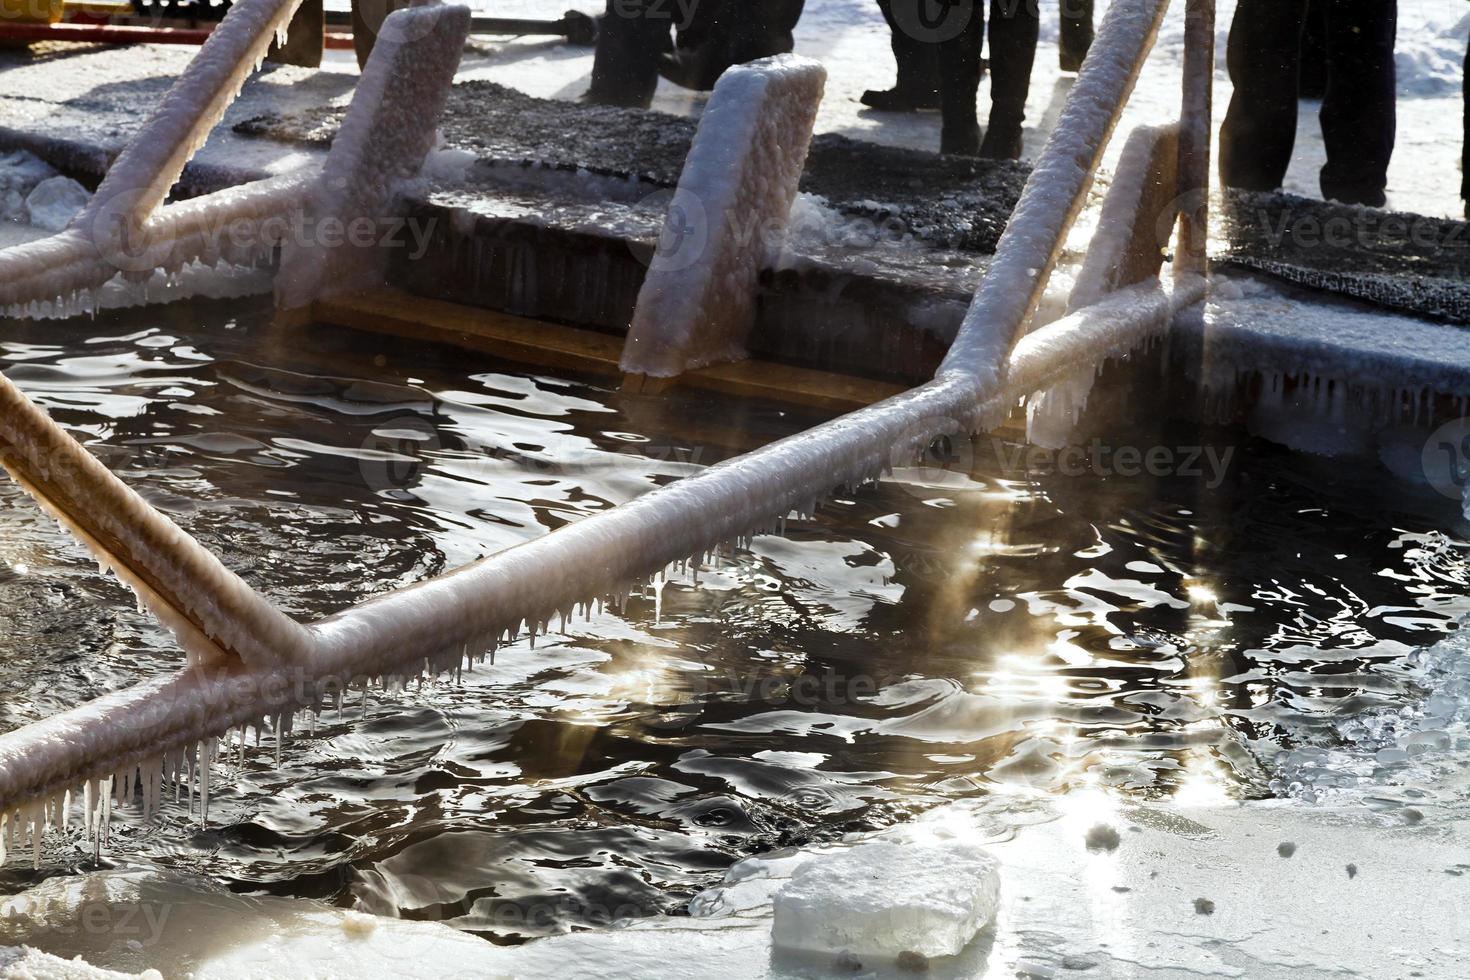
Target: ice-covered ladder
point(169, 728)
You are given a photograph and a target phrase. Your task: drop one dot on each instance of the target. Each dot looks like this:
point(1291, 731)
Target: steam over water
point(966, 628)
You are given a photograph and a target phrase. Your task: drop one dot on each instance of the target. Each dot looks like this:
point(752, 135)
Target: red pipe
point(102, 33)
point(127, 34)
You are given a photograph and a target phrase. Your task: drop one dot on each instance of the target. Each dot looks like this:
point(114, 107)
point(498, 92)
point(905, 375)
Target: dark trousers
point(1077, 32)
point(633, 34)
point(630, 38)
point(1465, 158)
point(722, 33)
point(939, 43)
point(1314, 51)
point(1358, 114)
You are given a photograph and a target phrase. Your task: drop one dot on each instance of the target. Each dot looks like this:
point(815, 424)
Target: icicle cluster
point(1227, 389)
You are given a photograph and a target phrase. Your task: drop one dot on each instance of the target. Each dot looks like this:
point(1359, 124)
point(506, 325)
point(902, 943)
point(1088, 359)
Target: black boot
point(1003, 141)
point(961, 139)
point(899, 100)
point(693, 68)
point(917, 61)
point(960, 70)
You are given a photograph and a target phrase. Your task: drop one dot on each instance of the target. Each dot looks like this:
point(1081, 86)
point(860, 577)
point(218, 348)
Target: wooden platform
point(544, 344)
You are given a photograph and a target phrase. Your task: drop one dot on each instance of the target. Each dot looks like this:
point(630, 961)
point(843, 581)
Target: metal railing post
point(1054, 195)
point(1195, 128)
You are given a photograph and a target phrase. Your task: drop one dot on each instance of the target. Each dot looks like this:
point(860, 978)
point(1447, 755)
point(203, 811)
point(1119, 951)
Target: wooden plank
point(543, 344)
point(786, 383)
point(515, 338)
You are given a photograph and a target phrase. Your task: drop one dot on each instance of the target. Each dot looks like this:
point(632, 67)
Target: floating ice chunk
point(20, 172)
point(55, 201)
point(739, 181)
point(882, 900)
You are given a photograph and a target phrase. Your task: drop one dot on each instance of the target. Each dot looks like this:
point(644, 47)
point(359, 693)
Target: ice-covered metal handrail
point(1055, 193)
point(441, 622)
point(467, 613)
point(140, 178)
point(116, 233)
point(123, 231)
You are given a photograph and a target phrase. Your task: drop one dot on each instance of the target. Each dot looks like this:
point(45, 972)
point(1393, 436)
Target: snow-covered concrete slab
point(388, 131)
point(1253, 325)
point(1399, 261)
point(731, 207)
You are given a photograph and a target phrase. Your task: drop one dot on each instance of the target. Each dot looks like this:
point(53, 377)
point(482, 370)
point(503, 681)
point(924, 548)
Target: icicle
point(658, 597)
point(206, 759)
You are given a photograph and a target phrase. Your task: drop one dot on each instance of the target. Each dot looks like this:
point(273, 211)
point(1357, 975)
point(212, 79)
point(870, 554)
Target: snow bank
point(30, 964)
point(1430, 54)
point(732, 205)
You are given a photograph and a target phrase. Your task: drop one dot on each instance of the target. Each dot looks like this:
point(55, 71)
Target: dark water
point(975, 627)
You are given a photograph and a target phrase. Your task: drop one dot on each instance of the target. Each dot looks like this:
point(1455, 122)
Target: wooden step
point(543, 344)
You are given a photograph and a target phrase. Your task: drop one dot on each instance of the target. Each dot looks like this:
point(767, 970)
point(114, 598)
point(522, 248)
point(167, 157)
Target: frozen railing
point(134, 741)
point(123, 232)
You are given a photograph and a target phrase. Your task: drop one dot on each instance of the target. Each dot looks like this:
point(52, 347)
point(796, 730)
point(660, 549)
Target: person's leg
point(625, 66)
point(960, 68)
point(1465, 156)
point(917, 84)
point(1014, 27)
point(767, 29)
point(1359, 116)
point(1264, 56)
point(1076, 36)
point(722, 33)
point(1314, 50)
